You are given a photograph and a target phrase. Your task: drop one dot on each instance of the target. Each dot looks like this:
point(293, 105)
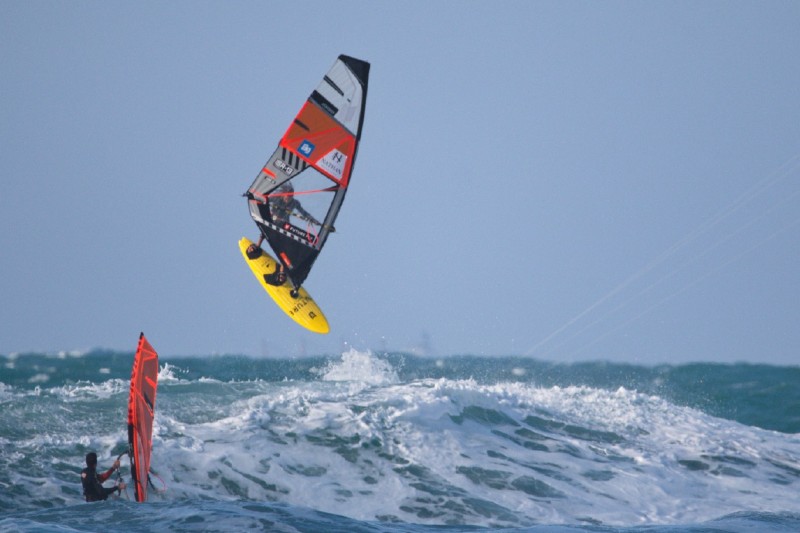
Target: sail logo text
point(306, 148)
point(284, 167)
point(304, 236)
point(334, 162)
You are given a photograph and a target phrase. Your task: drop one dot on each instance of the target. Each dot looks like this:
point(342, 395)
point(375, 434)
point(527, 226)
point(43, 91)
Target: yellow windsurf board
point(302, 309)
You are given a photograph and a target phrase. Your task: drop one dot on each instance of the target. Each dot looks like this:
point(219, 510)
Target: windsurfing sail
point(296, 197)
point(141, 411)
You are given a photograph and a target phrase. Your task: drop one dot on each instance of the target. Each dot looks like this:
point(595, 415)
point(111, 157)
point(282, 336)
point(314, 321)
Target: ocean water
point(364, 442)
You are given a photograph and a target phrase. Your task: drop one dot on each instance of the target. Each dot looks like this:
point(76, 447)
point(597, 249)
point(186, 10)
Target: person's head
point(91, 459)
point(286, 190)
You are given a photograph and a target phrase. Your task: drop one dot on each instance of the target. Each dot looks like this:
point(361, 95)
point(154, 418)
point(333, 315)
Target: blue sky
point(566, 180)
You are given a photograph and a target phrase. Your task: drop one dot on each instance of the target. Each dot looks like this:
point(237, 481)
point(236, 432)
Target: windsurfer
point(283, 204)
point(93, 488)
point(316, 155)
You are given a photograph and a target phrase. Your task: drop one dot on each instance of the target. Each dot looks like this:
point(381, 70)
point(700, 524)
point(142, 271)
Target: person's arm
point(104, 476)
point(108, 491)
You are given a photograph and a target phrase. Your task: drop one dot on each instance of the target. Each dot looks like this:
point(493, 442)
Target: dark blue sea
point(369, 442)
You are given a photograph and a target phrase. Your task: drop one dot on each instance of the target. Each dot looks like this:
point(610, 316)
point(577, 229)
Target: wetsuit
point(93, 488)
point(281, 210)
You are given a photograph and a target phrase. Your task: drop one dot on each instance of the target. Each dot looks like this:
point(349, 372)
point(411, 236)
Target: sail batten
point(296, 197)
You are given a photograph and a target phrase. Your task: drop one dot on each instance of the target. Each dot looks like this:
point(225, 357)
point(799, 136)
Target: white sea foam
point(617, 456)
point(358, 366)
point(6, 392)
point(363, 444)
point(63, 354)
point(83, 389)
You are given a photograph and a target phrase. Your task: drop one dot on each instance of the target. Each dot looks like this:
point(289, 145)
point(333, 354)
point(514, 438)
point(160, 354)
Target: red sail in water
point(141, 410)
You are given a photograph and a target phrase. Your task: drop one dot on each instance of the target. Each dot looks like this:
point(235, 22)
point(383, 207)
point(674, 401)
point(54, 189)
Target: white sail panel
point(344, 91)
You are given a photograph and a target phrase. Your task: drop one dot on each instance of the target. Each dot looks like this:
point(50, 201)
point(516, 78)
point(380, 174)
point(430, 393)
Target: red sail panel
point(141, 411)
point(320, 140)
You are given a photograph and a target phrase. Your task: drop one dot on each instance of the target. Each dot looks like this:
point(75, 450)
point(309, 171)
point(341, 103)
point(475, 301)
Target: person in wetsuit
point(93, 489)
point(282, 205)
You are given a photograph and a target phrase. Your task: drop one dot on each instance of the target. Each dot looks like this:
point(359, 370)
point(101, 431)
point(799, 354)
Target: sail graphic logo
point(283, 166)
point(334, 162)
point(306, 148)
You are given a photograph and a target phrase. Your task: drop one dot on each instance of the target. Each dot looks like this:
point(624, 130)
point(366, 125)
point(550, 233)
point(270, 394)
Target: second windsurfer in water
point(93, 489)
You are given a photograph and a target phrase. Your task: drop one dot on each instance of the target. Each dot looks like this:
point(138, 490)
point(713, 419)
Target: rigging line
point(686, 263)
point(786, 169)
point(119, 477)
point(688, 285)
point(156, 489)
point(333, 188)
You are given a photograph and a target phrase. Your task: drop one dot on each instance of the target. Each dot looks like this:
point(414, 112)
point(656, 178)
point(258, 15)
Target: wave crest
point(363, 367)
